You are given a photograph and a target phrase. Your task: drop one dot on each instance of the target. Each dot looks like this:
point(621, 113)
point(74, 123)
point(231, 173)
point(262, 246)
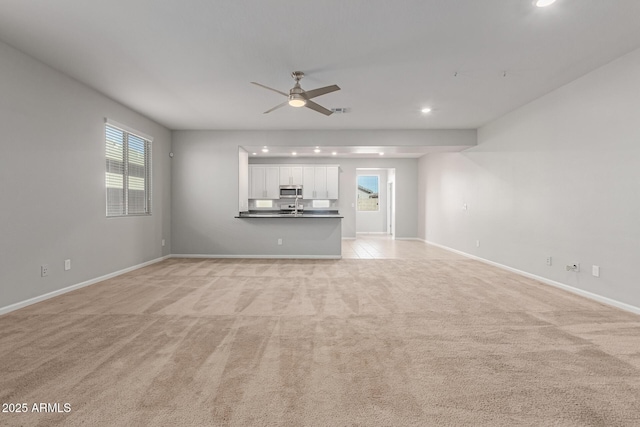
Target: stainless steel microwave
point(291, 191)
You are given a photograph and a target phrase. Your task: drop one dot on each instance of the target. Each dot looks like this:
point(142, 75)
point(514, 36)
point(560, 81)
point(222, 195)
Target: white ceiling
point(187, 64)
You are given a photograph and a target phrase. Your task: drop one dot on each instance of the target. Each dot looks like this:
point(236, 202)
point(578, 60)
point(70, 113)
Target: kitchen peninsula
point(293, 209)
point(276, 214)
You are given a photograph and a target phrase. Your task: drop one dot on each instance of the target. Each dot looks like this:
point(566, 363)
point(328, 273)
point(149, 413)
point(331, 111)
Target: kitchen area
point(300, 191)
point(297, 204)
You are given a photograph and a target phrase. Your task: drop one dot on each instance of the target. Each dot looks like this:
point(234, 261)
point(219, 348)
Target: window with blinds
point(128, 172)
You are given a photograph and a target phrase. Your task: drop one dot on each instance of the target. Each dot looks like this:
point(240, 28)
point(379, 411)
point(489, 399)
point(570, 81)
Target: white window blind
point(128, 172)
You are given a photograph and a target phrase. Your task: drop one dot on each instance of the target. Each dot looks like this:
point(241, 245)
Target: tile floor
point(384, 246)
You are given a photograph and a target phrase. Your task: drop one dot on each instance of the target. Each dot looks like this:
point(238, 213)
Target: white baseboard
point(258, 256)
point(371, 232)
point(577, 291)
point(21, 304)
point(387, 234)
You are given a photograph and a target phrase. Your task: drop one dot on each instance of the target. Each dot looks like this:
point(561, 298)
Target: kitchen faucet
point(295, 206)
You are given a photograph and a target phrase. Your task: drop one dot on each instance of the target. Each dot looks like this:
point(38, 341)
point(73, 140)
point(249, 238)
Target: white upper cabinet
point(333, 186)
point(308, 182)
point(291, 175)
point(272, 182)
point(320, 182)
point(264, 182)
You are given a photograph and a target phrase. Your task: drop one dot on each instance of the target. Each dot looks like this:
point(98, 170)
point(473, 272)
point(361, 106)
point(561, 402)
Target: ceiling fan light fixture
point(543, 3)
point(297, 100)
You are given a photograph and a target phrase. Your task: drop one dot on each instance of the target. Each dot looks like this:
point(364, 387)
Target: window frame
point(126, 176)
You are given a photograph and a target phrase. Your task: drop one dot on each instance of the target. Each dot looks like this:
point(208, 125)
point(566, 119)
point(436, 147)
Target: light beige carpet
point(413, 342)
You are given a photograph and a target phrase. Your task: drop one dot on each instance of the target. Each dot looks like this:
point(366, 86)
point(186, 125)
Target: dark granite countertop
point(287, 214)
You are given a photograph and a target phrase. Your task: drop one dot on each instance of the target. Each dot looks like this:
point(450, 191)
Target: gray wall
point(558, 177)
point(52, 183)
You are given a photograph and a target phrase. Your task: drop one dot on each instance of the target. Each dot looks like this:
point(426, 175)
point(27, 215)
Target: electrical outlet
point(574, 267)
point(44, 270)
point(67, 264)
point(477, 243)
point(595, 270)
point(549, 260)
point(279, 241)
point(162, 242)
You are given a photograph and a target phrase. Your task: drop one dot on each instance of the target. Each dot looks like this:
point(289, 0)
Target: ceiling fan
point(299, 97)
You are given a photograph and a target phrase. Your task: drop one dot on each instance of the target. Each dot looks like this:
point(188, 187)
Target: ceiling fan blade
point(320, 91)
point(270, 88)
point(318, 108)
point(278, 106)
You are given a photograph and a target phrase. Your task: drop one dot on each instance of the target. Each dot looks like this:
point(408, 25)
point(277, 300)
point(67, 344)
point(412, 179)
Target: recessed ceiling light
point(294, 153)
point(265, 150)
point(543, 3)
point(334, 153)
point(381, 154)
point(426, 110)
point(255, 154)
point(317, 150)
